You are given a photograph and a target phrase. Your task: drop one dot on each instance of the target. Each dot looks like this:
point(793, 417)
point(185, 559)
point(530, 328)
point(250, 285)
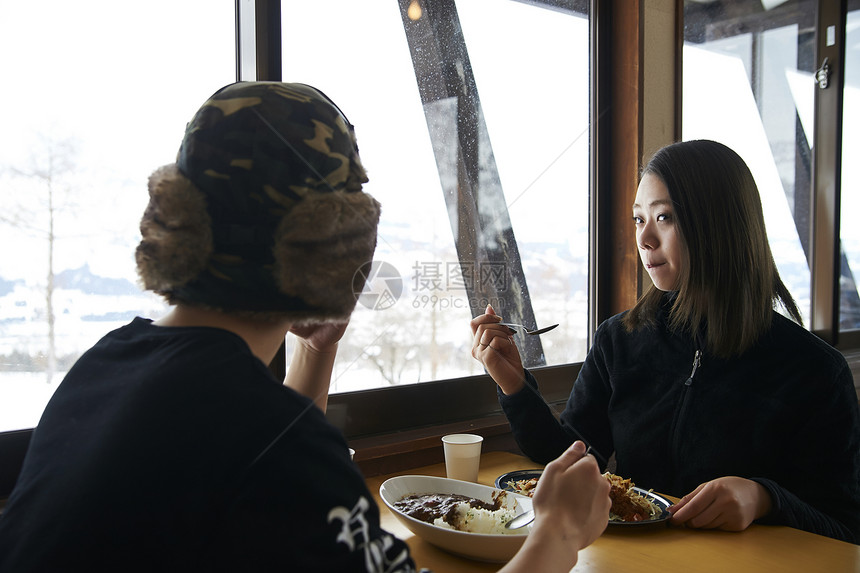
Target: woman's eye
point(664, 217)
point(637, 220)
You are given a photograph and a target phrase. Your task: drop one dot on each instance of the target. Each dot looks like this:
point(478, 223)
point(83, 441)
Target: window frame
point(827, 179)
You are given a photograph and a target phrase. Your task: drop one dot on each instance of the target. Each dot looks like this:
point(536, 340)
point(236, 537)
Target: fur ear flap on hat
point(335, 235)
point(176, 230)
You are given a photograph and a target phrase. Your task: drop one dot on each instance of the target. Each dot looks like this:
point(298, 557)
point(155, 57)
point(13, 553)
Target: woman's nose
point(646, 238)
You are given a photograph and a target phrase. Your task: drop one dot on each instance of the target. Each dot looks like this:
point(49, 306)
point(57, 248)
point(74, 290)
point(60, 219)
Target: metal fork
point(534, 332)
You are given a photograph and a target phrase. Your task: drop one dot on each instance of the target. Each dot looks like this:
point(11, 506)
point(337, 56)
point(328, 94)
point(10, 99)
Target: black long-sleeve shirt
point(784, 414)
point(175, 449)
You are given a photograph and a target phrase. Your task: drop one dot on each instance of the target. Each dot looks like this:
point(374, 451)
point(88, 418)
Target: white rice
point(475, 520)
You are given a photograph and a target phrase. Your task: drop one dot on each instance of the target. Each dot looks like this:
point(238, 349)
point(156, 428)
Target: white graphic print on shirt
point(355, 533)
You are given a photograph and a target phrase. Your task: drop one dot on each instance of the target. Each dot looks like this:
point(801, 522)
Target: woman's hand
point(728, 503)
point(571, 505)
point(493, 346)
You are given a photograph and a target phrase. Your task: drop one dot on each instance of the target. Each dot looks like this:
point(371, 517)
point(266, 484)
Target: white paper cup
point(462, 456)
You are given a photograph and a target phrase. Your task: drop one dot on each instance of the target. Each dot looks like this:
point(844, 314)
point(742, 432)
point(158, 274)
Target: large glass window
point(849, 318)
point(748, 83)
point(96, 96)
point(472, 120)
point(755, 64)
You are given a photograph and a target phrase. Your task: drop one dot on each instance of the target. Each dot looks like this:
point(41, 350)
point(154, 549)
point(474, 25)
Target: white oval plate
point(480, 546)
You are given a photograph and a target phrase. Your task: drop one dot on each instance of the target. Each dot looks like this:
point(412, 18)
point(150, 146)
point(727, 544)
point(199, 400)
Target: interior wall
point(661, 85)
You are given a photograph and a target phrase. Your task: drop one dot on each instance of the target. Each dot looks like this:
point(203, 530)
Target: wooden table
point(760, 548)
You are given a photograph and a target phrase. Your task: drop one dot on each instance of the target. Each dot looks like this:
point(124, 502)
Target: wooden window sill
point(394, 452)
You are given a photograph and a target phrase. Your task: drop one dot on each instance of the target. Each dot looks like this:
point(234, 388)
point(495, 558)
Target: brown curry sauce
point(430, 506)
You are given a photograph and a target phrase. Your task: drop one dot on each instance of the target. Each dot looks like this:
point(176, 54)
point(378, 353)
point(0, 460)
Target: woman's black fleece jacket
point(785, 414)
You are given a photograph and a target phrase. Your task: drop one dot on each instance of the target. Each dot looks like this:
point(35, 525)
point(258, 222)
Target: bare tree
point(391, 360)
point(51, 164)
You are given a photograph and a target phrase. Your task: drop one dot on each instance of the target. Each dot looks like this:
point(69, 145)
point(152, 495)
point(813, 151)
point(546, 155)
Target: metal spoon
point(526, 330)
point(521, 520)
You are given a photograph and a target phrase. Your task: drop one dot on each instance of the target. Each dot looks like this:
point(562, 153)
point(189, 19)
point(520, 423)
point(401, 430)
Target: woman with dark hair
point(702, 390)
point(727, 278)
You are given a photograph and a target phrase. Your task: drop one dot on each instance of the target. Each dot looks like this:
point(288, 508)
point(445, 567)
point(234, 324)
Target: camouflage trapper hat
point(263, 213)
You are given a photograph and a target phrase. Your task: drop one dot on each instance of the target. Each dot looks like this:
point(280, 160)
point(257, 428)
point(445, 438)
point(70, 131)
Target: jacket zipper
point(697, 361)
